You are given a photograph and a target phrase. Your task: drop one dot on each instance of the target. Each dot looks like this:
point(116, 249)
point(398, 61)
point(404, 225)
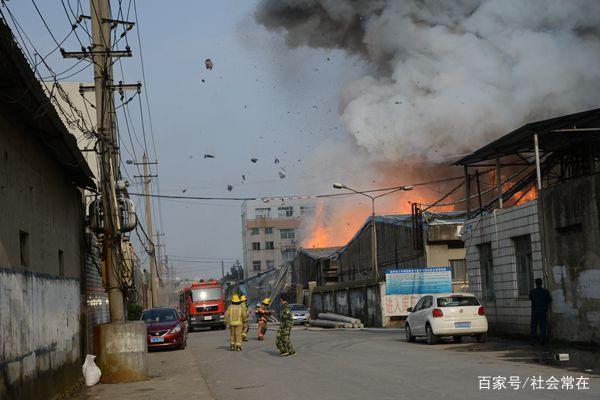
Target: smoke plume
point(450, 75)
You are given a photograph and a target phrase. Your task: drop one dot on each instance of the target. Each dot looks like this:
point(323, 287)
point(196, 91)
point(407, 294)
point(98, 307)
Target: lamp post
point(373, 227)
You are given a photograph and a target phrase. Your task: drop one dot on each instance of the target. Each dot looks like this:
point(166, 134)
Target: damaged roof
point(320, 252)
point(22, 93)
point(553, 134)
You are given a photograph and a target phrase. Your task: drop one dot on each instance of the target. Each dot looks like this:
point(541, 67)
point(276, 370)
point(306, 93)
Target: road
point(362, 364)
point(375, 364)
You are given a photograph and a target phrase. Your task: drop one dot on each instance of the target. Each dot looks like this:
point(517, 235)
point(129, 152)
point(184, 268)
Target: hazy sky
point(261, 100)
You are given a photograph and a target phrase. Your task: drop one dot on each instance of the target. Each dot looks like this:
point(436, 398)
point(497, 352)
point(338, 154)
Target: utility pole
point(116, 362)
point(222, 270)
point(100, 14)
point(153, 274)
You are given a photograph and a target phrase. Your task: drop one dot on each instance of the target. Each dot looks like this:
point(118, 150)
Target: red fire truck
point(203, 304)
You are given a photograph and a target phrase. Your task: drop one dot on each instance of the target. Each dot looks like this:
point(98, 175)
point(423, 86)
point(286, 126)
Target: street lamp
point(373, 228)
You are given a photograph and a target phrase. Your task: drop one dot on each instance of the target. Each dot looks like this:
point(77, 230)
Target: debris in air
point(184, 190)
point(203, 80)
point(281, 175)
point(229, 187)
point(254, 160)
point(398, 102)
point(208, 156)
point(209, 64)
point(277, 161)
point(243, 178)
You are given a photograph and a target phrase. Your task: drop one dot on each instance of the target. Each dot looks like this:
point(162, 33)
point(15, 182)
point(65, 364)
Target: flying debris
point(203, 80)
point(277, 161)
point(315, 107)
point(254, 160)
point(184, 190)
point(398, 102)
point(208, 156)
point(209, 64)
point(281, 175)
point(243, 178)
point(229, 187)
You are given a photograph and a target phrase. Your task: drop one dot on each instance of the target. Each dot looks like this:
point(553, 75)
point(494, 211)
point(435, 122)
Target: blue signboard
point(419, 281)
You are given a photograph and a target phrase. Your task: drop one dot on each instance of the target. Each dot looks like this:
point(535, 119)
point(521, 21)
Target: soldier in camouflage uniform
point(285, 327)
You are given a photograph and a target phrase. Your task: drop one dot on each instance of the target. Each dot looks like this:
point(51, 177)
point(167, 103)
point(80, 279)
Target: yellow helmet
point(243, 298)
point(235, 299)
point(266, 301)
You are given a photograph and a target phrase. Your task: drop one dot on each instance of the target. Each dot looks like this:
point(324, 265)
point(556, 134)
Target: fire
point(523, 197)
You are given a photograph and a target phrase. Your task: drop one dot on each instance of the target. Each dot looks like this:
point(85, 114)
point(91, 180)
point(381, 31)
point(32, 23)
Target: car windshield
point(206, 294)
point(298, 307)
point(160, 315)
point(457, 301)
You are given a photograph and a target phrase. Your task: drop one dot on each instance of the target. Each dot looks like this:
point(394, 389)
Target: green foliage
point(134, 311)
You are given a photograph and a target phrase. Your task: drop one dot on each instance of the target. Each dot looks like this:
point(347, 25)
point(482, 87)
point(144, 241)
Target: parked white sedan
point(448, 314)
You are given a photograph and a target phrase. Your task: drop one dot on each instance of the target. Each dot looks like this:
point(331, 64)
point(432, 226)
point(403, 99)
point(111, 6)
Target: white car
point(446, 314)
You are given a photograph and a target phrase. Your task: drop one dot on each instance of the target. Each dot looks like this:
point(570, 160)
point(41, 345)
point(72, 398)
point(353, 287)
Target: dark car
point(165, 328)
point(300, 313)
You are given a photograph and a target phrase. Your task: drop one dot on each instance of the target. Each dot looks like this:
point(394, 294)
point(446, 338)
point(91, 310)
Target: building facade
point(271, 232)
point(42, 174)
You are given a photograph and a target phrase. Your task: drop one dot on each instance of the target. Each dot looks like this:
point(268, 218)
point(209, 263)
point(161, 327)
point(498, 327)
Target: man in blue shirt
point(540, 303)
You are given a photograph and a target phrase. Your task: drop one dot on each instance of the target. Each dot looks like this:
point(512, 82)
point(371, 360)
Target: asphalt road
point(373, 365)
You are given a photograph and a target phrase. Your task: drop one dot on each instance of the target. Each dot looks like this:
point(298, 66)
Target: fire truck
point(203, 304)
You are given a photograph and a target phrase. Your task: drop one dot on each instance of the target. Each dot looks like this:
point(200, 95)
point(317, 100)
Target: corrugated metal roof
point(549, 136)
point(320, 252)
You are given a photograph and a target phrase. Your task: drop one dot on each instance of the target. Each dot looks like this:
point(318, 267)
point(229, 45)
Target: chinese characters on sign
point(404, 287)
point(499, 383)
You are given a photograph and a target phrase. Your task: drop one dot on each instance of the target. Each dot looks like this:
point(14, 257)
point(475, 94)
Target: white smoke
point(451, 75)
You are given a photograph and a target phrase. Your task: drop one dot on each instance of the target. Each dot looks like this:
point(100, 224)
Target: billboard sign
point(404, 287)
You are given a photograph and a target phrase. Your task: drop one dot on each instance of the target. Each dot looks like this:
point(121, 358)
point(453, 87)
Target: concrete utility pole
point(122, 354)
point(153, 274)
point(100, 14)
point(222, 270)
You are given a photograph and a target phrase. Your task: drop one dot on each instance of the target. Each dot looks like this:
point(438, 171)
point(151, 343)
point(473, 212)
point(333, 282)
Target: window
point(486, 264)
point(288, 233)
point(207, 294)
point(255, 231)
point(459, 270)
point(256, 265)
point(24, 248)
point(288, 255)
point(285, 211)
point(255, 245)
point(307, 210)
point(457, 301)
point(524, 265)
point(427, 302)
point(269, 245)
point(268, 230)
point(419, 304)
point(270, 264)
point(263, 212)
point(61, 263)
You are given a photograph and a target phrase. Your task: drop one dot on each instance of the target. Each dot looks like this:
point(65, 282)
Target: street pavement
point(350, 364)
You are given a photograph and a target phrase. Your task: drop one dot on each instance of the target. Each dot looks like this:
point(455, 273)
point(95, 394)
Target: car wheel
point(457, 339)
point(409, 337)
point(431, 338)
point(481, 338)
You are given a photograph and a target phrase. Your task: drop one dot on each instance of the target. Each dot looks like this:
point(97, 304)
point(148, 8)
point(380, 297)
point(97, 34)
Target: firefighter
point(245, 326)
point(263, 313)
point(235, 316)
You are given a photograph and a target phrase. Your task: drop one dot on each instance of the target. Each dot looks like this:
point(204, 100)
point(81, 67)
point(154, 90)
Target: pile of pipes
point(330, 320)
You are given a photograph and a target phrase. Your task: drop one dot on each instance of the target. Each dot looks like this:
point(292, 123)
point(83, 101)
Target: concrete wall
point(570, 222)
point(40, 302)
point(508, 313)
point(360, 300)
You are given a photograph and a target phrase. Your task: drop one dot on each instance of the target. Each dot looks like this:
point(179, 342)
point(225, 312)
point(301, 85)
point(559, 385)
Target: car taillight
point(437, 313)
point(481, 311)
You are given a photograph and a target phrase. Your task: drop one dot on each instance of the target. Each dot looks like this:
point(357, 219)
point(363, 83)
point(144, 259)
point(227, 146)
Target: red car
point(165, 328)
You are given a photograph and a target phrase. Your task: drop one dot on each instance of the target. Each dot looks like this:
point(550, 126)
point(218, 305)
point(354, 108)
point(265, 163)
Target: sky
point(261, 100)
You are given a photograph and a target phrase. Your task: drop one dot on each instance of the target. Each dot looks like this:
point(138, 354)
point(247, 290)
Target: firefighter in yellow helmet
point(245, 326)
point(235, 316)
point(263, 314)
